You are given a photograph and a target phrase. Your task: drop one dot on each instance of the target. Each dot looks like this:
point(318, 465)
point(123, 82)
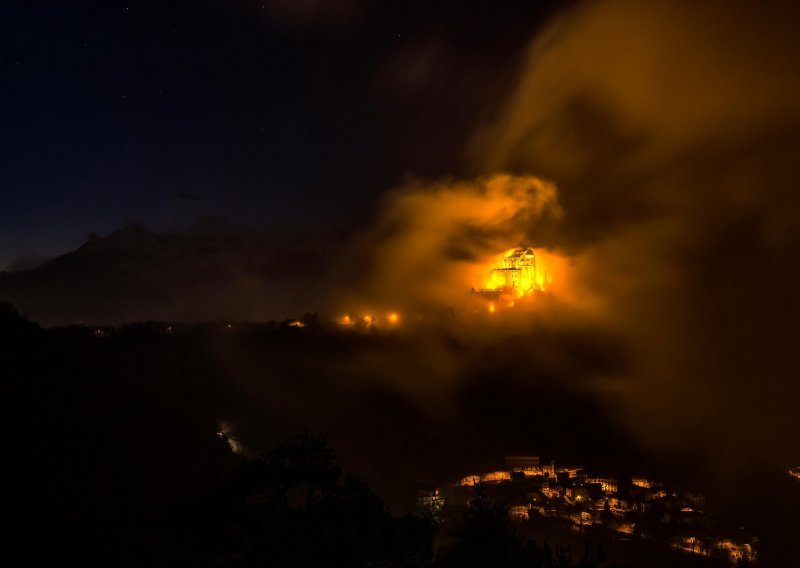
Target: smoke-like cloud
point(431, 245)
point(435, 240)
point(671, 130)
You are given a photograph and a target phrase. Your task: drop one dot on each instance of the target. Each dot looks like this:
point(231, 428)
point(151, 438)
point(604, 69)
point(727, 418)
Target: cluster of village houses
point(631, 508)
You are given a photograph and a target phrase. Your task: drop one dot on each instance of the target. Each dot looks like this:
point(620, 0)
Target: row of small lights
point(392, 317)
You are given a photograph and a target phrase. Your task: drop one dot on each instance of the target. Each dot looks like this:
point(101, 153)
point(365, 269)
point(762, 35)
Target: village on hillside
point(623, 509)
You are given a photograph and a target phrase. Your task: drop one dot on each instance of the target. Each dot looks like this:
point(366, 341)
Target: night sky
point(263, 113)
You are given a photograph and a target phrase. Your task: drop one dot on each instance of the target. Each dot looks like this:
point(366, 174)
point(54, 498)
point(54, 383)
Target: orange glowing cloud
point(436, 242)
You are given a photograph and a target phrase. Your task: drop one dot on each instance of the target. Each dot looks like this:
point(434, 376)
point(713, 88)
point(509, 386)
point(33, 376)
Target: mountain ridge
point(137, 274)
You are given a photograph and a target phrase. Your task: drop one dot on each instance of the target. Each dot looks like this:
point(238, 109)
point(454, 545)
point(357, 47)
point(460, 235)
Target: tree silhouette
point(293, 507)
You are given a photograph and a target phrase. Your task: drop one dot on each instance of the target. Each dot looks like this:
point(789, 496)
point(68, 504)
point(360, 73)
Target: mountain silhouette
point(136, 274)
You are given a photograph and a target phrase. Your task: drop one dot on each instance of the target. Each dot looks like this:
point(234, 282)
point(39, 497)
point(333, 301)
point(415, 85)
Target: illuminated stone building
point(516, 272)
point(568, 472)
point(496, 477)
point(644, 483)
point(607, 484)
point(470, 481)
point(519, 512)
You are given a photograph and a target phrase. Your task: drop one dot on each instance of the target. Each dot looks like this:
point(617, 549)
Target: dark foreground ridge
point(114, 455)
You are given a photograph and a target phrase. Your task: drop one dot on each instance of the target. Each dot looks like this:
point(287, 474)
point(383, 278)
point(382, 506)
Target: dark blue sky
point(294, 113)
